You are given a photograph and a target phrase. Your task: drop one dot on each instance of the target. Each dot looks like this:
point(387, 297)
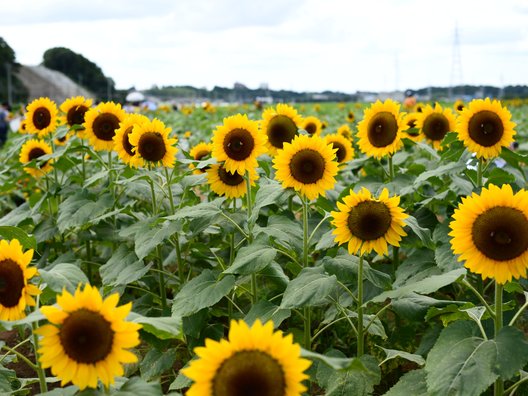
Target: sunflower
point(308, 165)
point(238, 142)
point(312, 125)
point(351, 117)
point(379, 130)
point(490, 233)
point(61, 141)
point(152, 144)
point(100, 124)
point(31, 150)
point(41, 117)
point(232, 185)
point(74, 110)
point(345, 151)
point(367, 223)
point(253, 361)
point(15, 291)
point(122, 138)
point(413, 132)
point(435, 123)
point(345, 131)
point(459, 106)
point(419, 107)
point(485, 127)
point(280, 125)
point(199, 152)
point(22, 128)
point(87, 338)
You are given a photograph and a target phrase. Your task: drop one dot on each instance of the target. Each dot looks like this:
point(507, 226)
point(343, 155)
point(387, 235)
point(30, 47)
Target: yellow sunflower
point(367, 223)
point(345, 131)
point(121, 139)
point(199, 152)
point(61, 141)
point(87, 338)
point(280, 125)
point(100, 124)
point(413, 132)
point(490, 233)
point(459, 106)
point(308, 165)
point(152, 144)
point(74, 110)
point(419, 107)
point(351, 117)
point(232, 185)
point(31, 150)
point(253, 361)
point(41, 117)
point(435, 123)
point(15, 291)
point(379, 130)
point(485, 127)
point(312, 125)
point(22, 128)
point(238, 143)
point(345, 151)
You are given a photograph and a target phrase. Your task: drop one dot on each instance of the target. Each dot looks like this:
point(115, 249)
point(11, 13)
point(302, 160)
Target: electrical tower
point(456, 66)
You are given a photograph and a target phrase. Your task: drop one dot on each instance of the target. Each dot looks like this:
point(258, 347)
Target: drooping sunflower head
point(345, 151)
point(32, 150)
point(312, 125)
point(412, 132)
point(490, 233)
point(87, 338)
point(344, 130)
point(459, 106)
point(101, 123)
point(238, 143)
point(200, 152)
point(15, 291)
point(280, 125)
point(122, 145)
point(380, 129)
point(74, 110)
point(232, 185)
point(367, 223)
point(435, 123)
point(485, 127)
point(308, 165)
point(351, 116)
point(41, 117)
point(151, 143)
point(253, 361)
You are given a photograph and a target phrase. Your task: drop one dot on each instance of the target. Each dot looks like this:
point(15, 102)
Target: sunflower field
point(307, 249)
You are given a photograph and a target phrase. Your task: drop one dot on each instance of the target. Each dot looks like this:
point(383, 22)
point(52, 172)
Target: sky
point(301, 45)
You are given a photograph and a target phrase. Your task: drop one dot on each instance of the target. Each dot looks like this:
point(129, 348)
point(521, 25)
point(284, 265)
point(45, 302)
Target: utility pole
point(9, 84)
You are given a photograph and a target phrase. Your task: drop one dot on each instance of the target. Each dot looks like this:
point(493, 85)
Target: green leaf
point(201, 292)
point(449, 313)
point(443, 170)
point(123, 268)
point(33, 317)
point(326, 241)
point(267, 194)
point(164, 328)
point(393, 354)
point(155, 363)
point(180, 382)
point(345, 268)
point(137, 386)
point(410, 384)
point(309, 288)
point(10, 232)
point(252, 259)
point(335, 362)
point(145, 242)
point(423, 233)
point(414, 306)
point(207, 210)
point(79, 209)
point(265, 311)
point(62, 276)
point(512, 351)
point(354, 381)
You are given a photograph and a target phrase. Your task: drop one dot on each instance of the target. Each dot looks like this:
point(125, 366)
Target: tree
point(8, 65)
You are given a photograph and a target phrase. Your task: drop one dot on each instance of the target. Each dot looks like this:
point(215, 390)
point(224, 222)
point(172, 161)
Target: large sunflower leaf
point(251, 259)
point(309, 288)
point(27, 241)
point(410, 384)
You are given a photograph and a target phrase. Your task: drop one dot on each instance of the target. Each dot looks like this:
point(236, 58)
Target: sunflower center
point(435, 126)
point(238, 144)
point(11, 283)
point(41, 118)
point(281, 129)
point(485, 128)
point(501, 233)
point(369, 220)
point(382, 129)
point(231, 179)
point(126, 142)
point(341, 151)
point(460, 107)
point(250, 373)
point(151, 146)
point(86, 336)
point(311, 128)
point(200, 155)
point(35, 153)
point(307, 166)
point(75, 115)
point(104, 126)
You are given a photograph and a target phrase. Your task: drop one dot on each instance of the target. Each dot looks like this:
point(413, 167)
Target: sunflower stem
point(395, 260)
point(83, 161)
point(479, 173)
point(254, 286)
point(231, 259)
point(391, 168)
point(181, 272)
point(38, 367)
point(307, 312)
point(360, 328)
point(499, 383)
point(88, 259)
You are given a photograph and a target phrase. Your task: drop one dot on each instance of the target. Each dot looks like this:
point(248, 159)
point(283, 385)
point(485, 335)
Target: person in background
point(4, 125)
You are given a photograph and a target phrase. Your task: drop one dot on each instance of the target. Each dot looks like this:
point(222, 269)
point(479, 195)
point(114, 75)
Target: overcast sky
point(304, 45)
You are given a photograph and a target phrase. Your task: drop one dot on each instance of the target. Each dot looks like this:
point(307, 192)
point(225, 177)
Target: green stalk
point(181, 273)
point(307, 312)
point(360, 328)
point(499, 383)
point(37, 366)
point(479, 173)
point(395, 260)
point(254, 286)
point(391, 168)
point(88, 259)
point(83, 161)
point(231, 259)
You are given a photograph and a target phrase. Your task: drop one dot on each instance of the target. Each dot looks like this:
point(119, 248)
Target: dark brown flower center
point(460, 107)
point(501, 233)
point(411, 123)
point(41, 118)
point(307, 166)
point(419, 109)
point(35, 153)
point(105, 125)
point(281, 129)
point(249, 373)
point(11, 283)
point(369, 220)
point(382, 129)
point(485, 128)
point(231, 179)
point(126, 142)
point(341, 151)
point(238, 144)
point(351, 117)
point(151, 146)
point(311, 128)
point(435, 126)
point(75, 115)
point(86, 336)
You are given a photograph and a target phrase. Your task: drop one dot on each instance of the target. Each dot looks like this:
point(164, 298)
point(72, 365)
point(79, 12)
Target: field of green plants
point(312, 249)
